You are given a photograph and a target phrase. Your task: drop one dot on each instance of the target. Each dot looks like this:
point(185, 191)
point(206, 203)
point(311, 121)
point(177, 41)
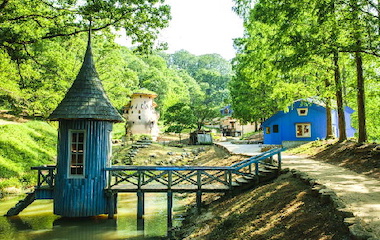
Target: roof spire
point(89, 32)
point(86, 98)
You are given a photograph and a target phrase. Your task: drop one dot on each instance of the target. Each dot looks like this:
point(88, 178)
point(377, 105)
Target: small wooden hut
point(85, 117)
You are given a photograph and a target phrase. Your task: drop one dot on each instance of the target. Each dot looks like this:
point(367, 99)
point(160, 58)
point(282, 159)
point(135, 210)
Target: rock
point(358, 232)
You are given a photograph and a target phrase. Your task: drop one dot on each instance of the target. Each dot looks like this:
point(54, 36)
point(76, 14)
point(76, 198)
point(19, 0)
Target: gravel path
point(359, 193)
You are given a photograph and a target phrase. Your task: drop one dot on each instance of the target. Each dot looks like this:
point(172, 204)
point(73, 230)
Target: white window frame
point(302, 111)
point(303, 130)
point(71, 153)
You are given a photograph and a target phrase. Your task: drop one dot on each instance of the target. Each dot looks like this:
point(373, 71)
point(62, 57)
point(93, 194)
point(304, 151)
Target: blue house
point(305, 121)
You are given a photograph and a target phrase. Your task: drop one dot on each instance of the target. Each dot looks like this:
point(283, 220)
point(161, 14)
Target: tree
point(27, 22)
point(204, 110)
point(41, 43)
point(179, 117)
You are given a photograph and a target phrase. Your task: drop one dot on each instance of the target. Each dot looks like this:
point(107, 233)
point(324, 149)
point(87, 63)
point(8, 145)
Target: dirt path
point(360, 194)
point(4, 122)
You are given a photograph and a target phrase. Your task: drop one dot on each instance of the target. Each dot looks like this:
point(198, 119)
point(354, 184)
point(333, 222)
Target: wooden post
point(170, 210)
point(112, 205)
point(39, 178)
point(140, 224)
point(140, 204)
point(199, 200)
point(279, 162)
point(257, 171)
point(230, 179)
point(199, 192)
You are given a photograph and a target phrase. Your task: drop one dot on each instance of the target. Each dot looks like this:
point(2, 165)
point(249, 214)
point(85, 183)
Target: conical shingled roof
point(86, 98)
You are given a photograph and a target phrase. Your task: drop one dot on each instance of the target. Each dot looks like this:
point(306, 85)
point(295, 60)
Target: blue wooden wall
point(82, 197)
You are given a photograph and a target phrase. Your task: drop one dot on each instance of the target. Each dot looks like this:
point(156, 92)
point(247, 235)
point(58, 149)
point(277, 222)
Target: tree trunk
point(339, 100)
point(329, 132)
point(360, 97)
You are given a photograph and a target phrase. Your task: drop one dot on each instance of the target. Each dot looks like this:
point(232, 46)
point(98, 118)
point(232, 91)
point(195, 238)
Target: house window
point(302, 111)
point(303, 130)
point(275, 128)
point(77, 153)
point(267, 130)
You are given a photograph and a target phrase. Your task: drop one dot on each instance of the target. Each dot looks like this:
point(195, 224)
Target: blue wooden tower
point(85, 117)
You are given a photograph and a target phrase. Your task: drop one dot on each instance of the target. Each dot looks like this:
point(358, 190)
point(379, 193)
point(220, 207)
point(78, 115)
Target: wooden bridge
point(170, 179)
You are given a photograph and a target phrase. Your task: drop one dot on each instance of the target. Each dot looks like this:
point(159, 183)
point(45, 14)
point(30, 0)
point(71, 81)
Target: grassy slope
point(360, 158)
point(284, 209)
point(21, 147)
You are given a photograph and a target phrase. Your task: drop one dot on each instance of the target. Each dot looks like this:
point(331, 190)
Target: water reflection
point(38, 221)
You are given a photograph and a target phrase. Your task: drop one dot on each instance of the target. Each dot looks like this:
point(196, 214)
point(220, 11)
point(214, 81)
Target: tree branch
point(37, 62)
point(31, 16)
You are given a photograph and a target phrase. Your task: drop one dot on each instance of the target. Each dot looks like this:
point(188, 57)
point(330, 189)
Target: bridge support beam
point(170, 209)
point(112, 205)
point(140, 204)
point(199, 201)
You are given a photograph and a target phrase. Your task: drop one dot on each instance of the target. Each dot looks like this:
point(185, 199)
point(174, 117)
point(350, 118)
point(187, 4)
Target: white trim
point(302, 111)
point(303, 130)
point(71, 131)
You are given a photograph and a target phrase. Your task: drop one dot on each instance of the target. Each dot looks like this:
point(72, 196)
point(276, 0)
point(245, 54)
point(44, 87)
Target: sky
point(202, 27)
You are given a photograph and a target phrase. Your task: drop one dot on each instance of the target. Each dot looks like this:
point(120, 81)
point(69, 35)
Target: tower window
point(275, 128)
point(77, 153)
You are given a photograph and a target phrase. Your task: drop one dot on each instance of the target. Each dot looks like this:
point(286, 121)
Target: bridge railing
point(46, 176)
point(206, 178)
point(171, 177)
point(251, 166)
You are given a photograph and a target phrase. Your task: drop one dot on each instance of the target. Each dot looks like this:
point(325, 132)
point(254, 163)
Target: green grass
point(23, 146)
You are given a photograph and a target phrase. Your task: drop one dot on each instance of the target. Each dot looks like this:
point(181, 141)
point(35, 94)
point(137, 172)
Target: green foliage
point(29, 22)
point(41, 47)
point(23, 146)
point(211, 72)
point(118, 130)
point(287, 54)
point(179, 117)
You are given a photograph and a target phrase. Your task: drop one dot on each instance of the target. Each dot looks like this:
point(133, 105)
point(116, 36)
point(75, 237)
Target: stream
point(37, 221)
